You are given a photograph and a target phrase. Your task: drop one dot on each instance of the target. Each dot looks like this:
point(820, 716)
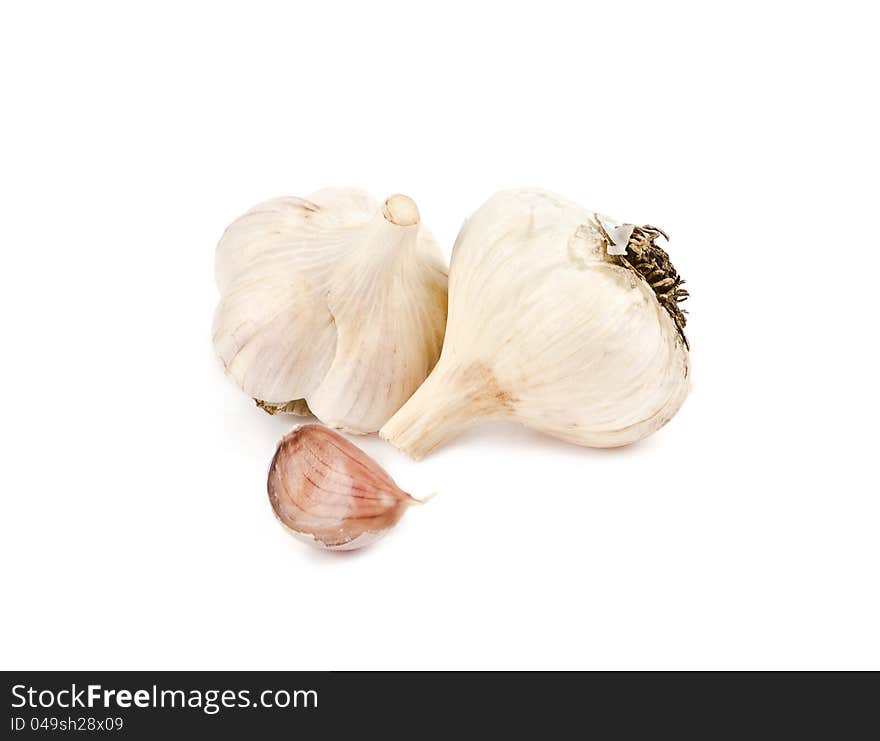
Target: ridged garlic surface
point(334, 304)
point(549, 328)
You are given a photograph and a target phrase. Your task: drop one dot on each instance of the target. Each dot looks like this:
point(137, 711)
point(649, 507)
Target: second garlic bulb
point(334, 304)
point(559, 319)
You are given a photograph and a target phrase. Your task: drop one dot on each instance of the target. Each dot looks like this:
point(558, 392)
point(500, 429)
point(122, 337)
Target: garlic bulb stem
point(401, 210)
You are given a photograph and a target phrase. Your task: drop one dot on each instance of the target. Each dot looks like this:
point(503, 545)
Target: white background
point(136, 531)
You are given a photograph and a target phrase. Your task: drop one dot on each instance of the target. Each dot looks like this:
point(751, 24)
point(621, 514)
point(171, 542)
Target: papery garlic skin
point(328, 492)
point(547, 329)
point(335, 301)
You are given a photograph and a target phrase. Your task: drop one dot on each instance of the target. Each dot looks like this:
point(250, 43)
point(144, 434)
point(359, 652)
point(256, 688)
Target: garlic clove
point(549, 328)
point(330, 493)
point(335, 300)
point(375, 315)
point(276, 341)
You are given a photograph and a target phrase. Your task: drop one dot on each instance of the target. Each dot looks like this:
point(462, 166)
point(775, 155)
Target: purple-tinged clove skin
point(327, 490)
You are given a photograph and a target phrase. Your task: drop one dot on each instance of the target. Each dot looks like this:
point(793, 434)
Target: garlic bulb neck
point(453, 398)
point(393, 232)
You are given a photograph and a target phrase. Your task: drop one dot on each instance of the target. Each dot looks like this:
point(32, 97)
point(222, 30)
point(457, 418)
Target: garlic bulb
point(330, 492)
point(549, 328)
point(334, 305)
